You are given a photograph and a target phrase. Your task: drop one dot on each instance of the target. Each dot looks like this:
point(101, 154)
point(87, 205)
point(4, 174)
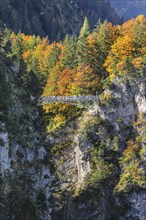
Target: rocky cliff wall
point(87, 147)
point(24, 162)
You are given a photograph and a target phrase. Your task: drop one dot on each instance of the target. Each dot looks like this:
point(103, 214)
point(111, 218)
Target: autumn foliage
point(81, 65)
point(132, 160)
point(128, 53)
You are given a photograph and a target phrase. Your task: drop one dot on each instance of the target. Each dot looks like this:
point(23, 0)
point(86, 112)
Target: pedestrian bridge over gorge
point(68, 99)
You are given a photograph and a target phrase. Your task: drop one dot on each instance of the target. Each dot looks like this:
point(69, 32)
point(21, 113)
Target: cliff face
point(86, 156)
point(86, 172)
point(24, 162)
point(91, 166)
point(82, 185)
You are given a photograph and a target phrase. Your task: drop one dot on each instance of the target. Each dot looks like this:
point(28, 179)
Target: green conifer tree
point(85, 30)
point(53, 57)
point(82, 45)
point(69, 59)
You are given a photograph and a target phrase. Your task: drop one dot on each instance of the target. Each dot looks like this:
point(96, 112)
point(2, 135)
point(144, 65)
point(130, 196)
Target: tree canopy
point(81, 65)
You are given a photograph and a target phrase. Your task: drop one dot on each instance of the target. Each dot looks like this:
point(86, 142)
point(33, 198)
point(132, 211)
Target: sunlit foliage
point(81, 65)
point(128, 53)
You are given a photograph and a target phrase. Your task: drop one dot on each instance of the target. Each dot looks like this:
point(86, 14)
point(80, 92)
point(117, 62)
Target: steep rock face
point(24, 163)
point(137, 202)
point(83, 166)
point(110, 123)
point(4, 150)
point(131, 99)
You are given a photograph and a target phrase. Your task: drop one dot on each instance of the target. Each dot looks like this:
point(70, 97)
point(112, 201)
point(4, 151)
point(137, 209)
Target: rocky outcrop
point(72, 173)
point(137, 202)
point(4, 150)
point(83, 166)
point(107, 123)
point(24, 162)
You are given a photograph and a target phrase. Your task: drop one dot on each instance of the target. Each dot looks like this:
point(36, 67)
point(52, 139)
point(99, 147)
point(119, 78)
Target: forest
point(111, 144)
point(83, 64)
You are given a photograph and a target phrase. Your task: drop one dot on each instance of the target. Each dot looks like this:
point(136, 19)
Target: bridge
point(67, 99)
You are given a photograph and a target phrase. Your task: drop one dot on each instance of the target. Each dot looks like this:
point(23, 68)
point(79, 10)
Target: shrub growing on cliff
point(132, 161)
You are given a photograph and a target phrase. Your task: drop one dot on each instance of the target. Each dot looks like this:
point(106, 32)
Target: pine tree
point(5, 62)
point(4, 209)
point(17, 47)
point(100, 42)
point(53, 57)
point(82, 45)
point(85, 30)
point(69, 57)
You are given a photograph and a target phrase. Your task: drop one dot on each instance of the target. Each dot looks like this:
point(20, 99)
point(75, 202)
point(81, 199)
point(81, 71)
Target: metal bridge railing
point(67, 99)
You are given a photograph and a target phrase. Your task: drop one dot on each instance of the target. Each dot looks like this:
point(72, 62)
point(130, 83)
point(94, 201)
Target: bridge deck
point(67, 99)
